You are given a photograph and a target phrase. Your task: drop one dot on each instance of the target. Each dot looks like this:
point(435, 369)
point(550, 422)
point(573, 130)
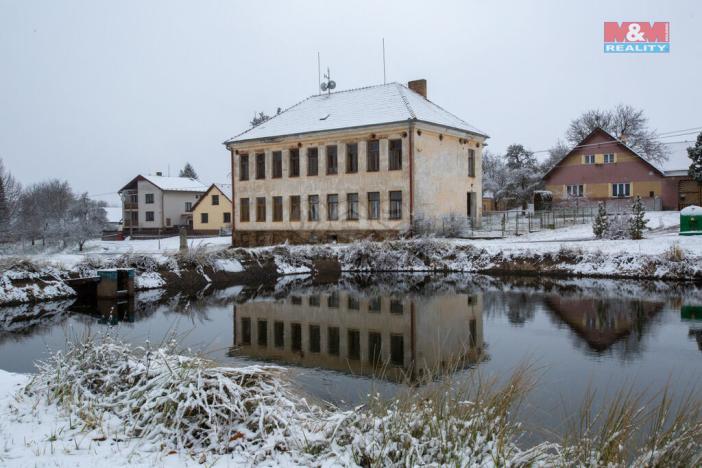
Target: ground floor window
point(395, 205)
point(277, 208)
point(295, 208)
point(149, 215)
point(575, 190)
point(352, 206)
point(373, 205)
point(261, 209)
point(621, 190)
point(204, 218)
point(244, 210)
point(332, 207)
point(313, 208)
point(227, 218)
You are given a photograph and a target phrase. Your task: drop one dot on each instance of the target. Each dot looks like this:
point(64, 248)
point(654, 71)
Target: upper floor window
point(621, 190)
point(351, 157)
point(575, 190)
point(609, 158)
point(244, 167)
point(149, 198)
point(215, 200)
point(373, 156)
point(244, 216)
point(261, 166)
point(188, 206)
point(589, 159)
point(471, 163)
point(312, 161)
point(395, 155)
point(395, 205)
point(294, 166)
point(332, 160)
point(277, 165)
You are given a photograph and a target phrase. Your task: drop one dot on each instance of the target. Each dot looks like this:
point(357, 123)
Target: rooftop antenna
point(319, 74)
point(384, 82)
point(329, 84)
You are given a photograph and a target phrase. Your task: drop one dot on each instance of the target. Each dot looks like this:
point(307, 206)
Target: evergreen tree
point(637, 221)
point(600, 225)
point(695, 153)
point(188, 171)
point(261, 117)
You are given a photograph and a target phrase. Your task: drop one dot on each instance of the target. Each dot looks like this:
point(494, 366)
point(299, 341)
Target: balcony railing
point(130, 205)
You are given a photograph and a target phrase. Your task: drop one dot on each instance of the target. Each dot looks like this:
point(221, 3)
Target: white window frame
point(589, 159)
point(619, 187)
point(575, 190)
point(609, 158)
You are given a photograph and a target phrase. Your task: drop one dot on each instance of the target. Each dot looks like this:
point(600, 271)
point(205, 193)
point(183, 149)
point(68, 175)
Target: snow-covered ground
point(663, 233)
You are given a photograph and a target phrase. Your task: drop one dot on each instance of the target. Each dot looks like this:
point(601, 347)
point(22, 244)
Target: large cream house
point(368, 162)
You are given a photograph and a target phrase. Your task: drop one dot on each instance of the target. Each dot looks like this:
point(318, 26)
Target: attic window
point(325, 117)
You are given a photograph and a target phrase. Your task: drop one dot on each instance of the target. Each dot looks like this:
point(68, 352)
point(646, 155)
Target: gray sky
point(96, 92)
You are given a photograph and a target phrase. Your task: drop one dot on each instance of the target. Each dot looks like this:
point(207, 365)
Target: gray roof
point(373, 105)
point(679, 160)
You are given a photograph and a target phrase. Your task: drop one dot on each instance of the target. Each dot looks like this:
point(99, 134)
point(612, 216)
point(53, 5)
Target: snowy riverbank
point(573, 251)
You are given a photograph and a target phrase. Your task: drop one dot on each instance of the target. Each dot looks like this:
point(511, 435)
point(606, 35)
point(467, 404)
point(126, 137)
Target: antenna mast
point(384, 82)
point(319, 74)
point(329, 84)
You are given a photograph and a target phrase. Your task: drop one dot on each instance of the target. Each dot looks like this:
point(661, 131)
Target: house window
point(375, 342)
point(353, 303)
point(262, 332)
point(226, 218)
point(471, 163)
point(374, 304)
point(149, 215)
point(351, 158)
point(134, 198)
point(396, 205)
point(260, 166)
point(352, 206)
point(373, 156)
point(244, 167)
point(621, 190)
point(315, 339)
point(245, 330)
point(589, 159)
point(168, 222)
point(354, 344)
point(294, 169)
point(333, 341)
point(313, 207)
point(188, 206)
point(313, 301)
point(575, 190)
point(333, 300)
point(395, 155)
point(261, 209)
point(204, 218)
point(277, 208)
point(149, 198)
point(244, 215)
point(295, 208)
point(215, 200)
point(332, 166)
point(312, 161)
point(609, 158)
point(396, 306)
point(279, 334)
point(397, 350)
point(277, 164)
point(296, 336)
point(332, 207)
point(373, 205)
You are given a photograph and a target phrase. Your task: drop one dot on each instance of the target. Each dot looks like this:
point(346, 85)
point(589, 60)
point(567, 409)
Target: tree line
point(48, 213)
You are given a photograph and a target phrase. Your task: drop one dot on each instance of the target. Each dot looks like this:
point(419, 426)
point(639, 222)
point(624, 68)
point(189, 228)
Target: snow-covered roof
point(678, 161)
point(226, 189)
point(373, 105)
point(691, 210)
point(181, 184)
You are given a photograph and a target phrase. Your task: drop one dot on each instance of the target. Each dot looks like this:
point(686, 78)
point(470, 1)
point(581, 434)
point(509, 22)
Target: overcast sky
point(96, 92)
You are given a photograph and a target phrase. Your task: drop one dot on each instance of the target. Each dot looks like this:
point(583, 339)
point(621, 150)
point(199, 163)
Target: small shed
point(691, 221)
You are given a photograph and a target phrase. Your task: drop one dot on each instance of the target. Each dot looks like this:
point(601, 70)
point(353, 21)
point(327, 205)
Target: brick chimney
point(418, 86)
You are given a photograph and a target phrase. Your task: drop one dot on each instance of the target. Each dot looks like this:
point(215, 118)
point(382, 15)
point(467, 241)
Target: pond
point(386, 333)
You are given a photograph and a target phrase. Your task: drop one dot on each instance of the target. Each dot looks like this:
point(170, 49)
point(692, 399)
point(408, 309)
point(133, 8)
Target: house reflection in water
point(602, 322)
point(394, 338)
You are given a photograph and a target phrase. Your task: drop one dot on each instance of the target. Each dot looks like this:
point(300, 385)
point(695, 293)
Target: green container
point(691, 221)
point(691, 312)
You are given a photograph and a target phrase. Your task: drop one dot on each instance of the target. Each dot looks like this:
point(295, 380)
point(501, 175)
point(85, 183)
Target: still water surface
point(601, 335)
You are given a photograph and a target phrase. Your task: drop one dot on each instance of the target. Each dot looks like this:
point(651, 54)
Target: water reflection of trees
point(518, 306)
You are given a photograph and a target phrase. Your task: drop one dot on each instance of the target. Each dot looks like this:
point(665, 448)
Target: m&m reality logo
point(636, 37)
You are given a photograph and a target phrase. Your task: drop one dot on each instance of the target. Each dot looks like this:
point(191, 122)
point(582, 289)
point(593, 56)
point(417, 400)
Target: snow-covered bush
point(600, 223)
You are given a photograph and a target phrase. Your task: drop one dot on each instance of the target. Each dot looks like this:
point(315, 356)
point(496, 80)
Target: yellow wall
point(215, 212)
point(604, 190)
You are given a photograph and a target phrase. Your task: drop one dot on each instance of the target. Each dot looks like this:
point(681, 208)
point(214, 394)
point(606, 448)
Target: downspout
point(411, 175)
point(233, 196)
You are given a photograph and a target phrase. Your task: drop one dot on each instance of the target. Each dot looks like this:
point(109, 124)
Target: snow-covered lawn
point(663, 233)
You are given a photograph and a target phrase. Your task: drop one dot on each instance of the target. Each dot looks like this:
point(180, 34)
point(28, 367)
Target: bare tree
point(495, 175)
point(10, 191)
point(555, 154)
point(88, 218)
point(624, 122)
point(524, 174)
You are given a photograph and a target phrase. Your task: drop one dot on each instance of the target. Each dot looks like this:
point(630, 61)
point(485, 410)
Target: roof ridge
point(406, 101)
point(438, 106)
